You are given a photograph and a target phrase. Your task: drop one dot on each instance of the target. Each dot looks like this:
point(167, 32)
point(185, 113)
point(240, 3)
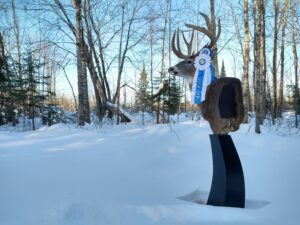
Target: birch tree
point(126, 42)
point(274, 65)
point(16, 29)
point(295, 62)
point(246, 89)
point(282, 58)
point(83, 99)
point(258, 63)
point(264, 60)
point(162, 68)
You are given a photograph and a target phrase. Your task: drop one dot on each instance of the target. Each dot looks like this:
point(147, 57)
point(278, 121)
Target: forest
point(149, 112)
point(90, 61)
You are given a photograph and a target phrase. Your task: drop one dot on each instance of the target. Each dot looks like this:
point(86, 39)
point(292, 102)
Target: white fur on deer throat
point(188, 78)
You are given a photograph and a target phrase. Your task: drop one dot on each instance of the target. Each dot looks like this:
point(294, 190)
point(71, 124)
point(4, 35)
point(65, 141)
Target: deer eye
point(190, 61)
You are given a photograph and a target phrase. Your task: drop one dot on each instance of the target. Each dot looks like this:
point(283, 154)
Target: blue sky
point(187, 13)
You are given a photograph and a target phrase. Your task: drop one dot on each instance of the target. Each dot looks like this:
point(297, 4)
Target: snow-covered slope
point(128, 175)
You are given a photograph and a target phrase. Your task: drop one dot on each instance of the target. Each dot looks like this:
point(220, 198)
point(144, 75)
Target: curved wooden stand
point(228, 185)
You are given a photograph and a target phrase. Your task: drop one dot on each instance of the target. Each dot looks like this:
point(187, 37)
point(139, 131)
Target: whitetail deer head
point(186, 68)
point(223, 102)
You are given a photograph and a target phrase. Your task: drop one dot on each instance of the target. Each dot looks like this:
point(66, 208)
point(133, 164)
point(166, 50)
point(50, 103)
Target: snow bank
point(127, 175)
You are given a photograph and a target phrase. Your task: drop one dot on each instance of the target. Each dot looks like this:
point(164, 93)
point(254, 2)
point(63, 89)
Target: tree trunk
point(83, 99)
point(254, 14)
point(246, 90)
point(100, 67)
point(274, 67)
point(18, 43)
point(116, 98)
point(296, 87)
point(257, 63)
point(99, 107)
point(262, 89)
point(123, 50)
point(264, 62)
point(151, 40)
point(281, 87)
point(213, 28)
point(162, 68)
point(170, 62)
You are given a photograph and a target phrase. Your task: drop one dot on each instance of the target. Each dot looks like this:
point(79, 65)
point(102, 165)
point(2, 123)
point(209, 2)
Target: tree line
point(105, 40)
point(268, 70)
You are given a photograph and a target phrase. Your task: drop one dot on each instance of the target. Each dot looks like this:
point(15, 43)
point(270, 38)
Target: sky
point(228, 45)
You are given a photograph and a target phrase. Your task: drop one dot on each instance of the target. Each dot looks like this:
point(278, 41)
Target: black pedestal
point(228, 185)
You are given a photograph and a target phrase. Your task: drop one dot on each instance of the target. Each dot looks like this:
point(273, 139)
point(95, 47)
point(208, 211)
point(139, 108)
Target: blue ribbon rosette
point(204, 75)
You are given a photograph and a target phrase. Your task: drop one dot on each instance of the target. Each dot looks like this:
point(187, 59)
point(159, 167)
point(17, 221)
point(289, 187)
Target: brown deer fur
point(210, 109)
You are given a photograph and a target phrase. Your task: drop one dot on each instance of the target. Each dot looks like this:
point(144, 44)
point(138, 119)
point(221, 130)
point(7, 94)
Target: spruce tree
point(223, 71)
point(7, 100)
point(21, 94)
point(34, 98)
point(172, 96)
point(156, 98)
point(168, 97)
point(142, 96)
point(2, 89)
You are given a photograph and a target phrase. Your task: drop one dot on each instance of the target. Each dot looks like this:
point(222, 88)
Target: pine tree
point(223, 71)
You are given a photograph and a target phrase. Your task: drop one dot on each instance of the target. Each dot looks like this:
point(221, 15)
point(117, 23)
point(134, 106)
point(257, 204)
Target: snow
point(129, 174)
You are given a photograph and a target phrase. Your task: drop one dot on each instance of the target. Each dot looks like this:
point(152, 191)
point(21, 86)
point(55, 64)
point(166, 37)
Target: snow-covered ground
point(133, 175)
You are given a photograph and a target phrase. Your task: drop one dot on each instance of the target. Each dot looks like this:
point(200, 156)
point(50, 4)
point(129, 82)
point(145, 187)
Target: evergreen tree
point(7, 100)
point(168, 97)
point(2, 72)
point(34, 99)
point(2, 89)
point(292, 90)
point(223, 71)
point(156, 98)
point(142, 96)
point(172, 96)
point(21, 94)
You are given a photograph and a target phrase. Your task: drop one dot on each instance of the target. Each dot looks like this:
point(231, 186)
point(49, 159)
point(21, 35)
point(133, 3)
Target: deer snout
point(172, 70)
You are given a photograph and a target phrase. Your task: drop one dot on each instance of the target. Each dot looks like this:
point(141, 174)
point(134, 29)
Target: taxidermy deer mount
point(222, 103)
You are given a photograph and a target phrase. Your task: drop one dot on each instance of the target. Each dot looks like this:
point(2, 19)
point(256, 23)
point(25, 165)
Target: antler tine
point(178, 52)
point(189, 44)
point(207, 20)
point(207, 32)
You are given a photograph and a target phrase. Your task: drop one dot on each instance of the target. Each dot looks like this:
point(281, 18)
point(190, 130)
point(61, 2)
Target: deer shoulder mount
point(220, 100)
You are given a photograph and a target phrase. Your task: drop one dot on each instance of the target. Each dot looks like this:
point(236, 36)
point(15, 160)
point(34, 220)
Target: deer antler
point(177, 51)
point(207, 31)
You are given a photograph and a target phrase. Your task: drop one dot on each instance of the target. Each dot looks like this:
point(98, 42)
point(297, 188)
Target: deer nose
point(172, 70)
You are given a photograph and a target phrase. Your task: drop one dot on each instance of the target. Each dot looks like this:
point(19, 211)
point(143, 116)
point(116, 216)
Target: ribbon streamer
point(204, 75)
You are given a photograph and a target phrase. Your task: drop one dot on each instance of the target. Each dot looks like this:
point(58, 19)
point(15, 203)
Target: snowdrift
point(127, 175)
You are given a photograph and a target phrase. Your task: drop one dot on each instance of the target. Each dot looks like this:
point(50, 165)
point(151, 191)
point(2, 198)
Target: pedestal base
point(228, 185)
